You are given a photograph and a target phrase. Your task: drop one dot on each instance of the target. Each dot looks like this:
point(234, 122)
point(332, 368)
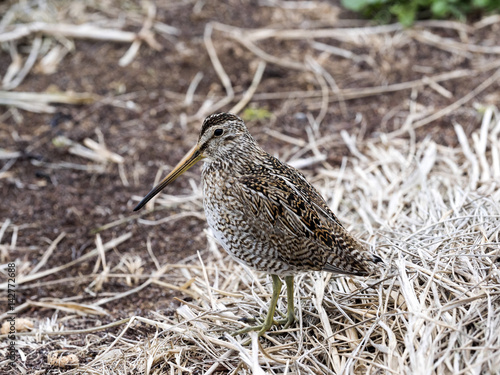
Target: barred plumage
point(265, 213)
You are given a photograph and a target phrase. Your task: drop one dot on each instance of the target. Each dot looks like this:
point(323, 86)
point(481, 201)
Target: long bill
point(192, 157)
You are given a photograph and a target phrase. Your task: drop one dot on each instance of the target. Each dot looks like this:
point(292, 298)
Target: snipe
point(265, 213)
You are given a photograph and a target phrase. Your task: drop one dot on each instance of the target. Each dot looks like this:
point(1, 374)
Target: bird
point(265, 213)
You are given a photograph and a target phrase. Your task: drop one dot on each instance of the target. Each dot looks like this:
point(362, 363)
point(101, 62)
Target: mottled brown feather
point(266, 214)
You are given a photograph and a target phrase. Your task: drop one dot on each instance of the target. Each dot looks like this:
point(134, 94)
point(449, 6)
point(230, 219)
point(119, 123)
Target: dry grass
point(431, 211)
point(435, 309)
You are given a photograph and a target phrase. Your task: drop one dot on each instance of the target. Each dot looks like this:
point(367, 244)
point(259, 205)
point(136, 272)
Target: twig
point(30, 61)
point(108, 245)
point(188, 100)
point(452, 107)
point(83, 31)
point(251, 90)
point(48, 253)
point(226, 82)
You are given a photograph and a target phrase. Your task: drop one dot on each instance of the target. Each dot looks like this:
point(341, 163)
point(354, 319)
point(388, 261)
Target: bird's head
point(220, 134)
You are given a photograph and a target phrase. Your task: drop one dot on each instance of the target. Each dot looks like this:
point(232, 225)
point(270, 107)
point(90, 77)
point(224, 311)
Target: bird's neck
point(236, 159)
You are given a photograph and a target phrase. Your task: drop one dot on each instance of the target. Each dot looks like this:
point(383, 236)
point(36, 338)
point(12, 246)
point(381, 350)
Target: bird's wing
point(293, 208)
point(298, 183)
point(307, 192)
point(281, 203)
point(284, 209)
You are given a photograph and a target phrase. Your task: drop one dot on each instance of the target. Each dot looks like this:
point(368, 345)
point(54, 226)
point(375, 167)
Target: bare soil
point(44, 198)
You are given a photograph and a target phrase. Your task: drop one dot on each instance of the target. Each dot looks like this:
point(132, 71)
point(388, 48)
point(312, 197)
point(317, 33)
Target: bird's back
point(268, 216)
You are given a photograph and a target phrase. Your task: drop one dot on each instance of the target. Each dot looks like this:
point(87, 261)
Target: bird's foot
point(286, 322)
point(266, 326)
point(269, 321)
point(247, 320)
point(261, 328)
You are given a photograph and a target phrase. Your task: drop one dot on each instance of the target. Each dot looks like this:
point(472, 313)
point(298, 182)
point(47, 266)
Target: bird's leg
point(268, 322)
point(290, 314)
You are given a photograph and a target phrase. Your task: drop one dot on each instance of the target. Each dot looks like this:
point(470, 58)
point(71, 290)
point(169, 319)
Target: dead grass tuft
point(431, 211)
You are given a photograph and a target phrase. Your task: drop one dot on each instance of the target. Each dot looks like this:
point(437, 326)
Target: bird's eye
point(218, 132)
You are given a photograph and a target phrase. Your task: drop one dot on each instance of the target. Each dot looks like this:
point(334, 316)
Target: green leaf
point(480, 3)
point(440, 8)
point(355, 5)
point(251, 114)
point(405, 12)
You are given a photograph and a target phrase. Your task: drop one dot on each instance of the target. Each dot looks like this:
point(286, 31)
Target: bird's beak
point(192, 157)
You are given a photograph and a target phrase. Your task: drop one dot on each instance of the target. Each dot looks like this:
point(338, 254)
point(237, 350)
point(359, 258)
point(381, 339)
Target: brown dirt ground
point(43, 201)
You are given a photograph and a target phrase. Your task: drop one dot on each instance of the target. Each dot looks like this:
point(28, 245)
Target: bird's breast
point(219, 202)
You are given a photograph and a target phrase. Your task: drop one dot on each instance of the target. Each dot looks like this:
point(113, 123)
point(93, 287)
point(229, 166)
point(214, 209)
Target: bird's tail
point(350, 257)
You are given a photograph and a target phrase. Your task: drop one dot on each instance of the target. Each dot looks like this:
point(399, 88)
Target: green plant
point(251, 114)
point(407, 11)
